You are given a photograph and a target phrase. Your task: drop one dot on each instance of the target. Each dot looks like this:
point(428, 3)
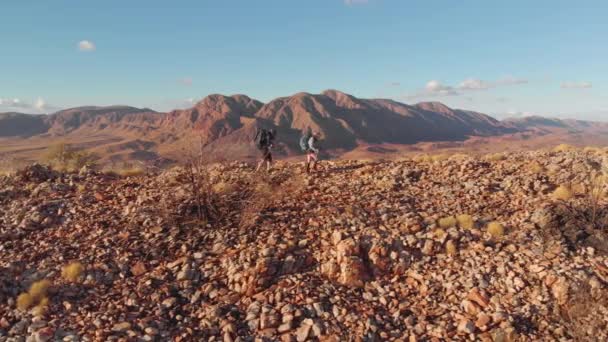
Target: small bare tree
point(199, 180)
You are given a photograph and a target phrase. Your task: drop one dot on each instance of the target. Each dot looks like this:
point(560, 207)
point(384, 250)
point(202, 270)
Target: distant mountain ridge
point(228, 123)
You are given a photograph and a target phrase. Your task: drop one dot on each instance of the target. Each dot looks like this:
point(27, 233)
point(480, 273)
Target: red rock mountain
point(227, 124)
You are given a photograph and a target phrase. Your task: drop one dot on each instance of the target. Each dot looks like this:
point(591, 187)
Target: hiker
point(264, 141)
point(308, 144)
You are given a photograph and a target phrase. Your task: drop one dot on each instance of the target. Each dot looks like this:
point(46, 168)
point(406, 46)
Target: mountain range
point(225, 125)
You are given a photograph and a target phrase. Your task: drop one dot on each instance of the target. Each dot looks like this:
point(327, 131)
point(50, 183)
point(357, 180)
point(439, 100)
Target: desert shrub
point(564, 148)
point(459, 156)
point(72, 272)
point(439, 157)
point(562, 193)
point(450, 248)
point(422, 158)
point(130, 172)
point(592, 150)
point(39, 289)
point(495, 229)
point(447, 222)
point(24, 301)
point(41, 308)
point(495, 157)
point(439, 233)
point(66, 157)
point(536, 167)
point(465, 221)
point(80, 159)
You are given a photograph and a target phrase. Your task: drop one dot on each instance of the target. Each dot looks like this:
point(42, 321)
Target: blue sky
point(505, 58)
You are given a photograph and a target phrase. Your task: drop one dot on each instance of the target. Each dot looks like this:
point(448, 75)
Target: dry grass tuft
point(496, 229)
point(439, 157)
point(39, 289)
point(41, 308)
point(536, 167)
point(465, 221)
point(439, 233)
point(450, 248)
point(564, 148)
point(131, 172)
point(72, 271)
point(495, 157)
point(592, 150)
point(562, 193)
point(24, 301)
point(422, 158)
point(447, 222)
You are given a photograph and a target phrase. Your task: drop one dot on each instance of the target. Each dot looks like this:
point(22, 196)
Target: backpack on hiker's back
point(263, 138)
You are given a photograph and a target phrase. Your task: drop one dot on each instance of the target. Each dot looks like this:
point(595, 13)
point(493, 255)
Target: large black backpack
point(262, 138)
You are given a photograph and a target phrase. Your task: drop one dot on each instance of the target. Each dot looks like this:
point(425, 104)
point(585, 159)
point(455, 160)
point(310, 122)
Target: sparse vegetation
point(72, 272)
point(39, 289)
point(450, 248)
point(495, 229)
point(536, 167)
point(439, 233)
point(130, 172)
point(564, 148)
point(495, 157)
point(67, 158)
point(41, 308)
point(562, 193)
point(24, 301)
point(447, 222)
point(465, 221)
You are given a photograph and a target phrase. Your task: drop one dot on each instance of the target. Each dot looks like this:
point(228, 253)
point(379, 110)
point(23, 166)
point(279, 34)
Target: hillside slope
point(359, 251)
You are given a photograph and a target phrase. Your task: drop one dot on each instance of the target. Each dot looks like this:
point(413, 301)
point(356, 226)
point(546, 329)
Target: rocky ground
point(353, 253)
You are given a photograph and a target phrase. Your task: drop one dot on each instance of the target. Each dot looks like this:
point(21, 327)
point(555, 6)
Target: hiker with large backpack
point(264, 140)
point(308, 145)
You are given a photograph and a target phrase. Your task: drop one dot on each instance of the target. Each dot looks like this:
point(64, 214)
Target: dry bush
point(422, 158)
point(495, 229)
point(24, 301)
point(41, 308)
point(562, 193)
point(564, 148)
point(495, 157)
point(465, 221)
point(450, 248)
point(439, 157)
point(130, 172)
point(39, 289)
point(597, 193)
point(65, 157)
point(439, 233)
point(447, 222)
point(72, 272)
point(536, 167)
point(592, 150)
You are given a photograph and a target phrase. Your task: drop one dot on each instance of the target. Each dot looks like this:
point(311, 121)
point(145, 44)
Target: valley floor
point(463, 248)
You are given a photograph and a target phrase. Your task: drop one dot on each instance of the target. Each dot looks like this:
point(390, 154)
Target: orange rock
point(138, 269)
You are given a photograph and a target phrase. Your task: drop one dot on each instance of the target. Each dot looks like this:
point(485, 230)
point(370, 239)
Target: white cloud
point(16, 104)
point(477, 84)
point(435, 87)
point(40, 104)
point(474, 84)
point(576, 85)
point(85, 45)
point(355, 2)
